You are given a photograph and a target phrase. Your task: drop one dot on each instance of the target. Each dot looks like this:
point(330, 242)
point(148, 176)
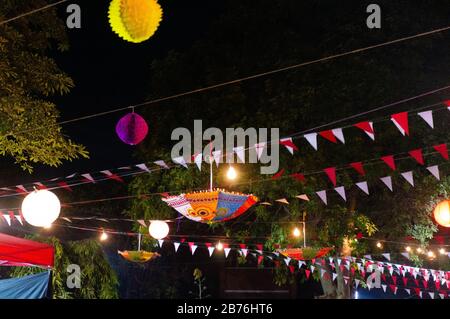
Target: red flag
point(358, 167)
point(392, 288)
point(331, 172)
point(401, 119)
point(417, 155)
point(208, 245)
point(394, 279)
point(291, 268)
point(389, 160)
point(65, 186)
point(288, 143)
point(447, 103)
point(298, 176)
point(259, 247)
point(278, 175)
point(260, 259)
point(417, 291)
point(308, 273)
point(442, 149)
point(425, 283)
point(405, 281)
point(242, 246)
point(365, 126)
point(190, 245)
point(21, 189)
point(329, 135)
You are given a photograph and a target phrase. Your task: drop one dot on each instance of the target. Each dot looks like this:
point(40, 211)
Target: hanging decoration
point(41, 208)
point(140, 256)
point(442, 213)
point(307, 253)
point(211, 206)
point(132, 129)
point(158, 229)
point(135, 20)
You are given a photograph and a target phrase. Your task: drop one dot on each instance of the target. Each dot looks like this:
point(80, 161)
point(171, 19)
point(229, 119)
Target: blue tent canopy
point(28, 287)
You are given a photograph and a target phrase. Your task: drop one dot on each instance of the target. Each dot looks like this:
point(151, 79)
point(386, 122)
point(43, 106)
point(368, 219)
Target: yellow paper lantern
point(442, 213)
point(135, 20)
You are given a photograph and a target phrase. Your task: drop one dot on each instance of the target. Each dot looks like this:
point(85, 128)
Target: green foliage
point(29, 132)
point(199, 281)
point(98, 280)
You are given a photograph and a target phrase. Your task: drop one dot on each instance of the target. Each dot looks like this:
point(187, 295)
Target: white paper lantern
point(41, 208)
point(158, 229)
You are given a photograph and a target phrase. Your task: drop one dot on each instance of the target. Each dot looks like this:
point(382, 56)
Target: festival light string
point(32, 12)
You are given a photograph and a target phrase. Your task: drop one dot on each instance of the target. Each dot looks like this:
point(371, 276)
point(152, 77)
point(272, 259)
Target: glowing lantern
point(231, 173)
point(158, 229)
point(41, 208)
point(442, 213)
point(132, 129)
point(135, 20)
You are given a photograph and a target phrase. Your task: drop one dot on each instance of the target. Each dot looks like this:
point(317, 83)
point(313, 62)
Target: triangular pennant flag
point(431, 295)
point(160, 242)
point(260, 259)
point(7, 218)
point(334, 276)
point(331, 173)
point(176, 245)
point(368, 257)
point(40, 185)
point(283, 201)
point(442, 149)
point(339, 134)
point(19, 218)
point(299, 177)
point(289, 144)
point(341, 191)
point(427, 117)
point(358, 166)
point(363, 186)
point(259, 248)
point(441, 296)
point(303, 197)
point(389, 160)
point(278, 175)
point(88, 177)
point(322, 271)
point(301, 263)
point(111, 175)
point(259, 148)
point(193, 248)
point(387, 256)
point(142, 222)
point(384, 287)
point(287, 260)
point(143, 167)
point(307, 273)
point(393, 289)
point(387, 181)
point(408, 291)
point(409, 177)
point(406, 255)
point(357, 283)
point(417, 155)
point(323, 196)
point(211, 250)
point(65, 186)
point(266, 203)
point(329, 135)
point(401, 121)
point(240, 153)
point(198, 158)
point(312, 268)
point(312, 139)
point(162, 164)
point(244, 251)
point(217, 155)
point(367, 127)
point(227, 251)
point(435, 171)
point(180, 160)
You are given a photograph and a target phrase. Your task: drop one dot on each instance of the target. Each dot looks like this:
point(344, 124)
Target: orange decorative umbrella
point(307, 253)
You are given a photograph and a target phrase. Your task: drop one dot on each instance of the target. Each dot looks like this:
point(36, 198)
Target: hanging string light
point(442, 251)
point(219, 246)
point(296, 232)
point(379, 245)
point(408, 249)
point(231, 173)
point(103, 236)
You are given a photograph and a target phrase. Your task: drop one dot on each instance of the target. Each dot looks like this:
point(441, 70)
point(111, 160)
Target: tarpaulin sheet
point(28, 287)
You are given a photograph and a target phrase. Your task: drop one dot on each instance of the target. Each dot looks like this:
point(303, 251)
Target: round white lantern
point(41, 208)
point(158, 229)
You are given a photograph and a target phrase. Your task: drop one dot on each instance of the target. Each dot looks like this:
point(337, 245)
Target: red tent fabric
point(16, 251)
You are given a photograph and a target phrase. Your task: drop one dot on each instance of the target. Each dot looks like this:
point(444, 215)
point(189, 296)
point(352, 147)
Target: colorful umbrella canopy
point(211, 206)
point(305, 253)
point(138, 256)
point(16, 251)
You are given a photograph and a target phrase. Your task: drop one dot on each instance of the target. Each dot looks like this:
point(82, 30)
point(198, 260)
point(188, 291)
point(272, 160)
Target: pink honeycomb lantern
point(132, 129)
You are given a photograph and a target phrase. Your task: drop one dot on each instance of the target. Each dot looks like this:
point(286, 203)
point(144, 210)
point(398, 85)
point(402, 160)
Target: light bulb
point(41, 208)
point(419, 250)
point(379, 245)
point(408, 249)
point(219, 246)
point(430, 254)
point(231, 173)
point(442, 251)
point(103, 236)
point(296, 232)
point(158, 229)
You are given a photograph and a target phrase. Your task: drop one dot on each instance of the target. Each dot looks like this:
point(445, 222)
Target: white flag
point(384, 287)
point(227, 251)
point(162, 164)
point(193, 248)
point(431, 295)
point(160, 242)
point(259, 148)
point(7, 218)
point(408, 291)
point(287, 260)
point(435, 171)
point(244, 251)
point(334, 276)
point(217, 155)
point(198, 158)
point(387, 256)
point(427, 117)
point(180, 160)
point(323, 196)
point(143, 167)
point(88, 177)
point(406, 255)
point(312, 139)
point(240, 153)
point(211, 250)
point(409, 177)
point(363, 186)
point(176, 245)
point(19, 218)
point(341, 191)
point(356, 283)
point(338, 133)
point(387, 181)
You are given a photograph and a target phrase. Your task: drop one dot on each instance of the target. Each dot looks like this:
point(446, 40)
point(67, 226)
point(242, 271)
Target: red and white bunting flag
point(259, 148)
point(363, 186)
point(160, 242)
point(21, 189)
point(384, 287)
point(389, 160)
point(278, 175)
point(409, 177)
point(299, 177)
point(143, 167)
point(176, 246)
point(341, 191)
point(312, 268)
point(142, 222)
point(357, 283)
point(282, 200)
point(303, 197)
point(387, 256)
point(331, 173)
point(442, 149)
point(210, 248)
point(88, 178)
point(339, 134)
point(328, 135)
point(259, 248)
point(435, 171)
point(323, 196)
point(427, 116)
point(289, 144)
point(40, 185)
point(198, 158)
point(239, 153)
point(401, 122)
point(367, 127)
point(358, 166)
point(19, 218)
point(260, 259)
point(406, 255)
point(287, 260)
point(227, 251)
point(180, 160)
point(312, 139)
point(65, 186)
point(393, 289)
point(447, 103)
point(408, 291)
point(334, 276)
point(217, 155)
point(388, 182)
point(417, 155)
point(111, 175)
point(161, 164)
